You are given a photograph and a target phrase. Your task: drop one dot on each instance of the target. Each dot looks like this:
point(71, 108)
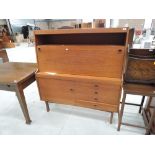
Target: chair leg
point(120, 115)
point(141, 105)
point(150, 122)
point(47, 106)
point(111, 117)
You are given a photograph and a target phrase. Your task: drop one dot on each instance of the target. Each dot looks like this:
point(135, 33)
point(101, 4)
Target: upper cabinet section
point(107, 36)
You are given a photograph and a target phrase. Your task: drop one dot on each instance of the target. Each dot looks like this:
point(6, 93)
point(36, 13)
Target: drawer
point(93, 60)
point(97, 105)
point(98, 92)
point(56, 90)
point(81, 91)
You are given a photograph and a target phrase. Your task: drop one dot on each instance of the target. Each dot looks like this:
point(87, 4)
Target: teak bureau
point(82, 67)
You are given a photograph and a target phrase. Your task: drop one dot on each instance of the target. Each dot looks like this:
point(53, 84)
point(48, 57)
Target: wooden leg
point(121, 112)
point(111, 117)
point(150, 122)
point(47, 106)
point(22, 102)
point(141, 105)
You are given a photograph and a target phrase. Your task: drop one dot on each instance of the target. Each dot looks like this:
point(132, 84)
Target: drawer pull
point(96, 85)
point(71, 89)
point(95, 92)
point(95, 99)
point(119, 51)
point(66, 49)
point(39, 49)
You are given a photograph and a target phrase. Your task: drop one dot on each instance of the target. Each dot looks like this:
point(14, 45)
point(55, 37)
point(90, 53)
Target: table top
point(15, 72)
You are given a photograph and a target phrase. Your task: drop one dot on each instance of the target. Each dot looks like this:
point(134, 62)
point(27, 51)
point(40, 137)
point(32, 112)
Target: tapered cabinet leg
point(22, 102)
point(111, 117)
point(47, 106)
point(121, 112)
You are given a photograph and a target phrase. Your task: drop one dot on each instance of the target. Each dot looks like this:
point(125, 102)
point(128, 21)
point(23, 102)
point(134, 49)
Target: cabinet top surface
point(86, 30)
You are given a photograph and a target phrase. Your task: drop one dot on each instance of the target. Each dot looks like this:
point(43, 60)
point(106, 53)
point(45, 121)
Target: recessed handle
point(119, 51)
point(95, 92)
point(96, 99)
point(71, 89)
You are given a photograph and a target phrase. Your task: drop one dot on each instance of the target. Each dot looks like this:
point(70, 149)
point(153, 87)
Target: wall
point(16, 24)
point(153, 23)
point(153, 27)
point(2, 22)
point(43, 24)
point(55, 23)
point(59, 23)
point(134, 23)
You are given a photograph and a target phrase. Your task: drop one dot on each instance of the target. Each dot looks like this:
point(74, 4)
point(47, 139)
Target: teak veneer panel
point(82, 60)
point(97, 105)
point(98, 92)
point(74, 90)
point(56, 90)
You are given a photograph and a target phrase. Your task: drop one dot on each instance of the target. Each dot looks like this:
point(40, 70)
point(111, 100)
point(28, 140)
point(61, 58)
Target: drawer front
point(98, 92)
point(95, 94)
point(98, 106)
point(91, 60)
point(56, 90)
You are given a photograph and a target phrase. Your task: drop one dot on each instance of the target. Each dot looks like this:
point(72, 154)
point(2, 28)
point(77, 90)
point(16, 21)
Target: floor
point(62, 119)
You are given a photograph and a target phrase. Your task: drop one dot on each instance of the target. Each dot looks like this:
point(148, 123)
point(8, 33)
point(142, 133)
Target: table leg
point(22, 102)
point(121, 112)
point(111, 117)
point(47, 106)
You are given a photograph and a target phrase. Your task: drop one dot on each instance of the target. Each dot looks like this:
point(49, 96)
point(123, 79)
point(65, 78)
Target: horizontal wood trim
point(74, 31)
point(49, 75)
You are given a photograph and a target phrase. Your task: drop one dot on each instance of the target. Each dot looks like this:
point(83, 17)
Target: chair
point(139, 79)
point(148, 112)
point(4, 56)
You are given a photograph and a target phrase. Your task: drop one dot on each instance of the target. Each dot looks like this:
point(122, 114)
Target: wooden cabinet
point(82, 67)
